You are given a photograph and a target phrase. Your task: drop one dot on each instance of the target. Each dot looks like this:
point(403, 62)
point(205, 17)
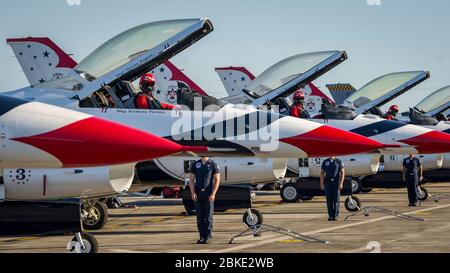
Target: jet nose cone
point(94, 142)
point(433, 142)
point(328, 141)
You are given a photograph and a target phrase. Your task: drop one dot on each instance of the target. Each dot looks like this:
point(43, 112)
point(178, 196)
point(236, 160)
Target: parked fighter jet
point(376, 126)
point(429, 113)
point(83, 86)
point(230, 130)
point(370, 161)
point(34, 134)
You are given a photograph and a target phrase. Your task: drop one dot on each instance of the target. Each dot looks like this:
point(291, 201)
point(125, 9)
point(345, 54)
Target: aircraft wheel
point(89, 241)
point(352, 204)
point(423, 194)
point(289, 193)
point(356, 185)
point(255, 219)
point(95, 218)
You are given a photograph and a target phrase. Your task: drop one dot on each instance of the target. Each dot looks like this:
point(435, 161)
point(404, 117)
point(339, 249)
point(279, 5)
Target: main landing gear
point(306, 190)
point(94, 214)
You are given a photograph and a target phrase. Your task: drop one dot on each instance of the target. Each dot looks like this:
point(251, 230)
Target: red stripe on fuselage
point(433, 142)
point(328, 141)
point(96, 142)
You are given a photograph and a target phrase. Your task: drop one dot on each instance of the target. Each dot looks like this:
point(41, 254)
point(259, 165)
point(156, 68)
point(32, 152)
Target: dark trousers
point(333, 195)
point(412, 184)
point(205, 212)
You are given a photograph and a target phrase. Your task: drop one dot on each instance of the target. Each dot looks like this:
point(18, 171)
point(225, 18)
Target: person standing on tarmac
point(332, 182)
point(204, 182)
point(412, 175)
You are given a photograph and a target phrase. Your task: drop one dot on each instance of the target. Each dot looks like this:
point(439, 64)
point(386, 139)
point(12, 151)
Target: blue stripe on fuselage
point(378, 128)
point(9, 103)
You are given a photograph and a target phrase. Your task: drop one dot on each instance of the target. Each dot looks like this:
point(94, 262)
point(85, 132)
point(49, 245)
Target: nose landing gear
point(83, 243)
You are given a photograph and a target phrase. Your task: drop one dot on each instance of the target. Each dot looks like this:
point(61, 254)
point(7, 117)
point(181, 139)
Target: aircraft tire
point(356, 185)
point(289, 193)
point(425, 194)
point(101, 217)
point(352, 204)
point(89, 241)
point(256, 221)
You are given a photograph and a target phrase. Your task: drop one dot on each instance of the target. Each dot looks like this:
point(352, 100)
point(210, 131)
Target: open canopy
point(383, 89)
point(287, 76)
point(285, 71)
point(128, 45)
point(435, 100)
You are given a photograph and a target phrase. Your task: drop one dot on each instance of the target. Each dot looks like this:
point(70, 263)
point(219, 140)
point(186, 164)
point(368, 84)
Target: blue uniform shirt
point(412, 166)
point(332, 169)
point(204, 175)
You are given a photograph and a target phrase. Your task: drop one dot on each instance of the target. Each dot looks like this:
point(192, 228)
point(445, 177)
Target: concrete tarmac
point(157, 226)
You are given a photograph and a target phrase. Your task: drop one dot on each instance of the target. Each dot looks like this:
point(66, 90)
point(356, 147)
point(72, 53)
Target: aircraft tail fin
point(235, 79)
point(341, 91)
point(169, 79)
point(41, 59)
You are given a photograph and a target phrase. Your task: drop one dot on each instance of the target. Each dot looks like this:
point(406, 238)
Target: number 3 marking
point(20, 174)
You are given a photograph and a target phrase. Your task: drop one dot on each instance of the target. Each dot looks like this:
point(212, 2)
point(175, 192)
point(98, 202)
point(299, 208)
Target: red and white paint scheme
point(235, 79)
point(37, 135)
point(169, 77)
point(41, 59)
point(290, 137)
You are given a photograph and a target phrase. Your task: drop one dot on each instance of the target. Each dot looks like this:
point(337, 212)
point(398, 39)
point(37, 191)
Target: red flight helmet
point(147, 83)
point(394, 109)
point(299, 96)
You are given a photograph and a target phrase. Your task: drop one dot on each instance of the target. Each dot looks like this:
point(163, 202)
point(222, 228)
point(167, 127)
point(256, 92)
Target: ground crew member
point(332, 182)
point(412, 175)
point(392, 113)
point(298, 108)
point(204, 182)
point(145, 99)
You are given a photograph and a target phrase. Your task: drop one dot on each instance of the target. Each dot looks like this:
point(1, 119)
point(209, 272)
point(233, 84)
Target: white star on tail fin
point(235, 79)
point(41, 59)
point(169, 79)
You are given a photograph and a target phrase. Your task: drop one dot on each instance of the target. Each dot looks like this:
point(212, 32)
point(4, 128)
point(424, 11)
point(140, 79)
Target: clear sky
point(397, 35)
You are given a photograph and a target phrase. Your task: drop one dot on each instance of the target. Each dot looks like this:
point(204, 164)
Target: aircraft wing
point(146, 60)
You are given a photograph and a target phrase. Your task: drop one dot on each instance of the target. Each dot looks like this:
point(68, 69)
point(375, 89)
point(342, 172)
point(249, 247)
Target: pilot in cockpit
point(392, 113)
point(298, 108)
point(145, 99)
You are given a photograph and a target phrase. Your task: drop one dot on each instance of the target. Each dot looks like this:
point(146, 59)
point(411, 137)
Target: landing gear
point(252, 217)
point(423, 194)
point(352, 204)
point(94, 215)
point(83, 243)
point(356, 185)
point(289, 193)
